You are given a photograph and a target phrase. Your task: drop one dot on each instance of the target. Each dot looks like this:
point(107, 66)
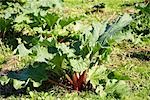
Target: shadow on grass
point(141, 55)
point(8, 90)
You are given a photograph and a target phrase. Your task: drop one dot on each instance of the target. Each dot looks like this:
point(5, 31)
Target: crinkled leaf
point(4, 80)
point(66, 50)
point(42, 54)
point(114, 28)
point(115, 86)
point(22, 50)
point(101, 92)
point(95, 74)
point(17, 84)
point(79, 65)
point(51, 3)
point(22, 18)
point(87, 36)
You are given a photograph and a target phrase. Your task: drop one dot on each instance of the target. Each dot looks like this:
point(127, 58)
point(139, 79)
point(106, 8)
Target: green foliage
point(107, 87)
point(24, 17)
point(35, 74)
point(51, 51)
point(122, 22)
point(79, 65)
point(66, 21)
point(4, 80)
point(51, 22)
point(96, 74)
point(42, 54)
point(4, 26)
point(5, 53)
point(61, 57)
point(22, 50)
point(115, 88)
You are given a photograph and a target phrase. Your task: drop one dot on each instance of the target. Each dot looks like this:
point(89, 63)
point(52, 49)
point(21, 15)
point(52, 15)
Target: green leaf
point(17, 84)
point(22, 50)
point(38, 73)
point(96, 74)
point(101, 92)
point(42, 54)
point(36, 84)
point(79, 65)
point(118, 76)
point(98, 30)
point(4, 80)
point(51, 19)
point(52, 42)
point(22, 75)
point(66, 21)
point(22, 18)
point(105, 54)
point(36, 23)
point(51, 3)
point(66, 50)
point(57, 64)
point(96, 48)
point(111, 86)
point(115, 86)
point(2, 58)
point(85, 51)
point(5, 25)
point(35, 75)
point(114, 28)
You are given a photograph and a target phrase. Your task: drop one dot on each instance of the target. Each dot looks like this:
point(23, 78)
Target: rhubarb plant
point(76, 57)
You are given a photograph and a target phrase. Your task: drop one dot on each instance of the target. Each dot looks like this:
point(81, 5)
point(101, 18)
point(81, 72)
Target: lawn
point(74, 50)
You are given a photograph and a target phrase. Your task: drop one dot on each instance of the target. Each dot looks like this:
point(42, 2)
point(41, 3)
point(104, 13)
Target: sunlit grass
point(136, 69)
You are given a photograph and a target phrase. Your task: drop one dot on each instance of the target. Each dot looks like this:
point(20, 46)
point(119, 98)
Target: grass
point(121, 59)
point(112, 8)
point(135, 67)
